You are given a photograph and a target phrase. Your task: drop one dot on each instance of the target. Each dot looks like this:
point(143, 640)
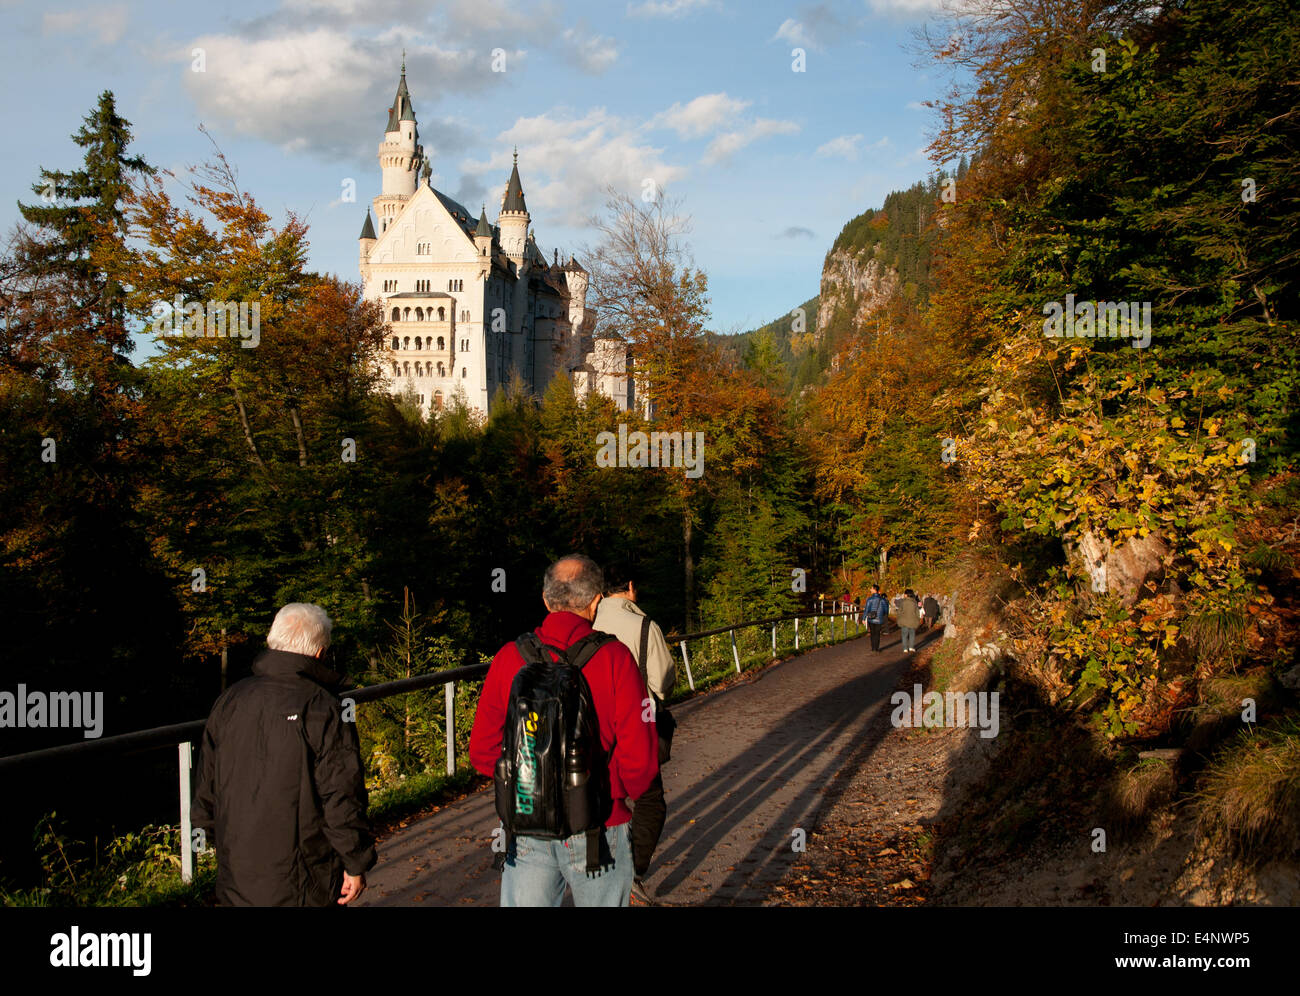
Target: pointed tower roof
point(484, 230)
point(402, 109)
point(368, 229)
point(514, 190)
point(573, 266)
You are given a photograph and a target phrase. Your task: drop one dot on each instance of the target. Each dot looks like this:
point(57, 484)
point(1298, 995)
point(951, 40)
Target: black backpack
point(552, 780)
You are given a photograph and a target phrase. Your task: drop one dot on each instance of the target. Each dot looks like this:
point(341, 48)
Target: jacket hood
point(562, 629)
point(282, 663)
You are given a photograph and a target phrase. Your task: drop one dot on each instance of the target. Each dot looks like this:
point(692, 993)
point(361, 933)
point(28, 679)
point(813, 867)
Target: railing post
point(796, 632)
point(773, 639)
point(186, 760)
point(690, 680)
point(734, 652)
point(450, 690)
point(814, 629)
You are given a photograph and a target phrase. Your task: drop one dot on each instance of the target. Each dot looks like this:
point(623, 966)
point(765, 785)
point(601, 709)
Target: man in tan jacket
point(619, 615)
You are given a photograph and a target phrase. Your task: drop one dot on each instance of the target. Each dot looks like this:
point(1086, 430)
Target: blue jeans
point(909, 637)
point(540, 869)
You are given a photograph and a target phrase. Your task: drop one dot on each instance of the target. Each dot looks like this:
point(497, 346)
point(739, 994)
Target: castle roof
point(368, 229)
point(402, 109)
point(458, 212)
point(484, 230)
point(514, 190)
point(573, 266)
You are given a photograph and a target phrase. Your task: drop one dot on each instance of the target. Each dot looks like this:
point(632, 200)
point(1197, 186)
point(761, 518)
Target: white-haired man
point(280, 787)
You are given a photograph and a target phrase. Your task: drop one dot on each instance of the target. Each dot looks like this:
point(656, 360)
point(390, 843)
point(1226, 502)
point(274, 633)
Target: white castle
point(472, 304)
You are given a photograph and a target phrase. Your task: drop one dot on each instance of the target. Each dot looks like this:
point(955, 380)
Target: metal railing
point(183, 735)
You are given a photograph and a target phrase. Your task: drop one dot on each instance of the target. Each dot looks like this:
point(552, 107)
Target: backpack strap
point(585, 649)
point(645, 649)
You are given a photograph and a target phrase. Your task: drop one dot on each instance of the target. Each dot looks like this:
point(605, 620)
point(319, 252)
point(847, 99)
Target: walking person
point(596, 863)
point(619, 614)
point(281, 792)
point(909, 618)
point(933, 611)
point(877, 614)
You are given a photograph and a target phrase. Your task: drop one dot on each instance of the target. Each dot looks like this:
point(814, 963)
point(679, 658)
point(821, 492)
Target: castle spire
point(402, 109)
point(514, 200)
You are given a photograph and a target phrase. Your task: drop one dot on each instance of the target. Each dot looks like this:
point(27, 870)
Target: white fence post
point(186, 761)
point(734, 652)
point(796, 632)
point(450, 689)
point(773, 639)
point(690, 680)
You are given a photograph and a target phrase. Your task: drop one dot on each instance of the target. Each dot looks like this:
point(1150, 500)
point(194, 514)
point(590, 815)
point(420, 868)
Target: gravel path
point(752, 764)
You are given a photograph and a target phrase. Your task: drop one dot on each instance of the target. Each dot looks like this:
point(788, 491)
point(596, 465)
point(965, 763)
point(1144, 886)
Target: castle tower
point(575, 279)
point(400, 156)
point(367, 242)
point(513, 219)
point(483, 235)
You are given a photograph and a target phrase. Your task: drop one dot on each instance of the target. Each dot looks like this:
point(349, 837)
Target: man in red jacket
point(536, 873)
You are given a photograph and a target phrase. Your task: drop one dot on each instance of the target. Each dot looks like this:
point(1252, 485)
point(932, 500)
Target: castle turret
point(513, 219)
point(483, 234)
point(400, 156)
point(367, 242)
point(575, 278)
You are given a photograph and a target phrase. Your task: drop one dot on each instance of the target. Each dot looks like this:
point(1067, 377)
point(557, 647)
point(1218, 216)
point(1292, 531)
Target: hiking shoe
point(640, 897)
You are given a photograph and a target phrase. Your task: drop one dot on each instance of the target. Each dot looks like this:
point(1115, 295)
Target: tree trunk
point(688, 567)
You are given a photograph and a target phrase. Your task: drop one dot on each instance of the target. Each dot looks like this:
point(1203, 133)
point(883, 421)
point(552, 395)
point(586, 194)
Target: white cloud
point(729, 143)
point(843, 147)
point(795, 33)
point(108, 23)
point(702, 116)
point(816, 27)
point(667, 8)
point(592, 53)
point(906, 7)
point(566, 162)
point(323, 90)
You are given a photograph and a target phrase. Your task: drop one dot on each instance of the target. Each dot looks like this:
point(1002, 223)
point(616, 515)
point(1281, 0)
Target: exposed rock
point(1291, 679)
point(859, 280)
point(1122, 570)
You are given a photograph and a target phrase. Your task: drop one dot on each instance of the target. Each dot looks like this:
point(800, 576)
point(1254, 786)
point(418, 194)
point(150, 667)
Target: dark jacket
point(932, 610)
point(909, 613)
point(280, 789)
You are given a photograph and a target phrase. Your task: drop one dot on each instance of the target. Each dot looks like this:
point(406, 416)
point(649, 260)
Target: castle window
point(442, 343)
point(442, 371)
point(397, 314)
point(406, 343)
point(397, 343)
point(419, 314)
point(437, 400)
point(419, 370)
point(417, 343)
point(442, 314)
point(462, 371)
point(406, 368)
point(407, 314)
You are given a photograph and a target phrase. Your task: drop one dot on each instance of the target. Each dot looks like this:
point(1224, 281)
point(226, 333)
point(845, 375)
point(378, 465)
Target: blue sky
point(698, 96)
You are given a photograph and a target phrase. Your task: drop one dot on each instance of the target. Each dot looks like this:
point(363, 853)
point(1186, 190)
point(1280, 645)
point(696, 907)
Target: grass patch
point(416, 792)
point(1249, 797)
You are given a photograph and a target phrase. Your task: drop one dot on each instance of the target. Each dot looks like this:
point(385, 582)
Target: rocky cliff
point(854, 284)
